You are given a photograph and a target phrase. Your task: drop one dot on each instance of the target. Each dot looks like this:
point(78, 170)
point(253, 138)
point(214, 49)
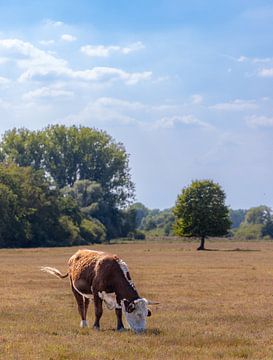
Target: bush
point(249, 231)
point(72, 231)
point(93, 231)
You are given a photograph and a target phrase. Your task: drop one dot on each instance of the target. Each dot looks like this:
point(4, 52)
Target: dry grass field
point(213, 304)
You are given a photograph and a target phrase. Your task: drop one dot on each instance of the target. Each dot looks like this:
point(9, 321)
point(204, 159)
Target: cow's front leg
point(120, 325)
point(98, 311)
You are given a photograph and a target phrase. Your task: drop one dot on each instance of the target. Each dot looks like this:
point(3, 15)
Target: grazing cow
point(104, 278)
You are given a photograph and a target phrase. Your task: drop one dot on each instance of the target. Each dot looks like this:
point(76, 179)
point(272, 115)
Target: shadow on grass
point(233, 250)
point(150, 331)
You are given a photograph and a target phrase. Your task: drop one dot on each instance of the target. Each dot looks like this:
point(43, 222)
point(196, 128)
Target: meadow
point(213, 304)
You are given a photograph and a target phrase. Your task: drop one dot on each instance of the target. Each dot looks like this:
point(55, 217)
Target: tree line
point(63, 186)
point(245, 224)
point(72, 185)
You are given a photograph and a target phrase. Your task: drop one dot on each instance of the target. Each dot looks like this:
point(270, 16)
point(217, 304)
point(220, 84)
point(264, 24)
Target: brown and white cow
point(104, 278)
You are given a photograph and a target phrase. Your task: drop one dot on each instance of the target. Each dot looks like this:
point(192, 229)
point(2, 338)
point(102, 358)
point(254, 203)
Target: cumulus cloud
point(124, 112)
point(105, 51)
point(260, 121)
point(68, 38)
point(38, 63)
point(236, 105)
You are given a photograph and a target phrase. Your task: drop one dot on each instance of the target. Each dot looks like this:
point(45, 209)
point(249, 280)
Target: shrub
point(93, 231)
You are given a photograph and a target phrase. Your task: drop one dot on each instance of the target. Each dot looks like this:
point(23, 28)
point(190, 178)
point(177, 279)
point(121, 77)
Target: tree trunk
point(202, 244)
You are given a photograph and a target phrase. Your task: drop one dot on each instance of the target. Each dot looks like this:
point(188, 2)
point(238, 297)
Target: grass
point(213, 304)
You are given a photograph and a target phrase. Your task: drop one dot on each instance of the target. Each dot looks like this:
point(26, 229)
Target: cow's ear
point(149, 313)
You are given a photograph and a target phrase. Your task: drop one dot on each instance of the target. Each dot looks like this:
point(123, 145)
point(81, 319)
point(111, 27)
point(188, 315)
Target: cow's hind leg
point(98, 311)
point(82, 307)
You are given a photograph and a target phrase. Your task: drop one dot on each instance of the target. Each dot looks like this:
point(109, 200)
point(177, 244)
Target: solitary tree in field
point(200, 211)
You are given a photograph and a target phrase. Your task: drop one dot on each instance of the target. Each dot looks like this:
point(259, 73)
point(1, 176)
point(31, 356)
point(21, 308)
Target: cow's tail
point(53, 271)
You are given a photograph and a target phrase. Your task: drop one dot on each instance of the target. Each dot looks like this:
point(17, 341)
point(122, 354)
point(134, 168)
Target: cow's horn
point(149, 302)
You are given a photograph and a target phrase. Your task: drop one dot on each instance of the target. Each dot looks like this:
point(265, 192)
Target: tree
point(257, 223)
point(34, 213)
point(258, 215)
point(68, 154)
point(200, 211)
point(237, 217)
point(141, 212)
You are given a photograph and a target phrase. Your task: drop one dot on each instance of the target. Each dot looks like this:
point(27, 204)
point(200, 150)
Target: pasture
point(213, 304)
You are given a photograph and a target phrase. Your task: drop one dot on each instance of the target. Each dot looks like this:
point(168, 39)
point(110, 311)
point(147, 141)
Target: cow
point(103, 277)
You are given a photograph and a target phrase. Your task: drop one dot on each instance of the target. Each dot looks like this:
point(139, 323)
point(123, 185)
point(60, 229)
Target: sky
point(186, 86)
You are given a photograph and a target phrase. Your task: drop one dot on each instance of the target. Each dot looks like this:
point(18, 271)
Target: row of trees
point(63, 186)
point(200, 211)
point(72, 185)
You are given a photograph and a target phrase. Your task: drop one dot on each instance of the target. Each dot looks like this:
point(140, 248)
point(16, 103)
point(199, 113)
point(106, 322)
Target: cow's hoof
point(84, 324)
point(95, 327)
point(121, 329)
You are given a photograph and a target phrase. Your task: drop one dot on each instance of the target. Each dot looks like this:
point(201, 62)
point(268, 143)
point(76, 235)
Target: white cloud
point(4, 80)
point(47, 42)
point(33, 57)
point(119, 111)
point(39, 63)
point(68, 38)
point(236, 105)
point(266, 72)
point(242, 59)
point(260, 121)
point(254, 60)
point(121, 104)
point(105, 51)
point(53, 23)
point(102, 110)
point(98, 50)
point(133, 47)
point(46, 92)
point(171, 122)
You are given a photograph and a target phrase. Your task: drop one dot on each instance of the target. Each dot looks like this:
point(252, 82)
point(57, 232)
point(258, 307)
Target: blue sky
point(187, 86)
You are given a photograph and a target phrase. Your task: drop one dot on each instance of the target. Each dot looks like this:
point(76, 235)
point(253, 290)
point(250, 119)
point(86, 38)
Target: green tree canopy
point(258, 223)
point(30, 209)
point(200, 211)
point(34, 213)
point(258, 215)
point(68, 154)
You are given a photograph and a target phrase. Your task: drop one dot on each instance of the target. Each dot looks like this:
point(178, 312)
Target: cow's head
point(136, 312)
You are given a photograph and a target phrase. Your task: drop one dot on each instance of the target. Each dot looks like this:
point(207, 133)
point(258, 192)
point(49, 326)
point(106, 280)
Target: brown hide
point(94, 271)
point(97, 273)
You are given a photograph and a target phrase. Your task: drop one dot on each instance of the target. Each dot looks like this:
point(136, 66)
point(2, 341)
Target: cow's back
point(83, 263)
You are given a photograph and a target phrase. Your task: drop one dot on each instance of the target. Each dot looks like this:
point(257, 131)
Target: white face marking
point(137, 318)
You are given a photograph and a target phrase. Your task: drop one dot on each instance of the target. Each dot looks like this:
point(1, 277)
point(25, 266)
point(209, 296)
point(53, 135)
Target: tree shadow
point(233, 250)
